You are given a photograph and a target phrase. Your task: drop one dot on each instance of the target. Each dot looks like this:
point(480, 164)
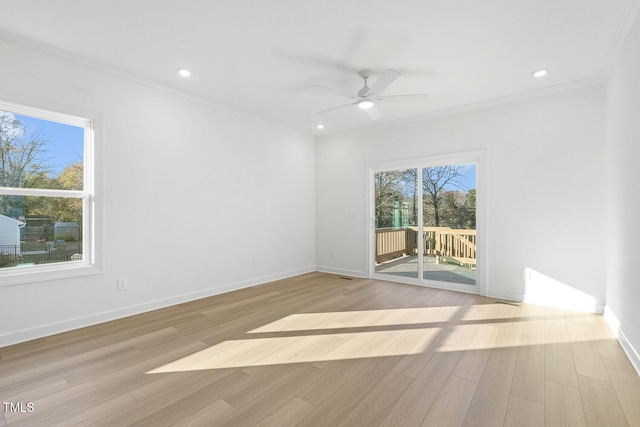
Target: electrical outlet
point(254, 263)
point(332, 255)
point(122, 284)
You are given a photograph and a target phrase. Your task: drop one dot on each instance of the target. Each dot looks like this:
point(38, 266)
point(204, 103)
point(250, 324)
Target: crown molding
point(42, 48)
point(624, 26)
point(592, 81)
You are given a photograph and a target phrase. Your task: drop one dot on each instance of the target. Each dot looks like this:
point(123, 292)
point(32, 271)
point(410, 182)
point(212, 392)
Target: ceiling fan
point(367, 97)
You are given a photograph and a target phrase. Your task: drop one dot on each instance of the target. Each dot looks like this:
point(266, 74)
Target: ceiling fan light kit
point(367, 96)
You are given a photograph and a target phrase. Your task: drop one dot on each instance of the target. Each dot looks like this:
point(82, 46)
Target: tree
point(72, 177)
point(61, 209)
point(458, 209)
point(22, 157)
point(21, 154)
point(70, 209)
point(434, 182)
point(392, 187)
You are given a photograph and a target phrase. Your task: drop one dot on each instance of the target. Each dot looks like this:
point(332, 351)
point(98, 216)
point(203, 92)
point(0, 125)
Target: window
point(47, 213)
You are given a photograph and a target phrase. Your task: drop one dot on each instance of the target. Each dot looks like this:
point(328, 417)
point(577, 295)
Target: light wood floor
point(323, 350)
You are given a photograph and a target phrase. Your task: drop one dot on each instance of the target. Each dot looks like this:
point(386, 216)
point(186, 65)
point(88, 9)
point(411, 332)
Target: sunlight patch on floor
point(305, 349)
point(361, 318)
point(321, 337)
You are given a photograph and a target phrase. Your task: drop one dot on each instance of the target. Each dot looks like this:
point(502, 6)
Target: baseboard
point(106, 316)
point(629, 349)
point(341, 272)
point(509, 296)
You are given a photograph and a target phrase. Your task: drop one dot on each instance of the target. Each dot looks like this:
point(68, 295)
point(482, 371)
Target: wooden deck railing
point(459, 245)
point(453, 243)
point(393, 243)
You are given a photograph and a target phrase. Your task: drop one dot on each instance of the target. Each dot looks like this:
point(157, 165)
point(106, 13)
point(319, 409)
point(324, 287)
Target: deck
point(407, 266)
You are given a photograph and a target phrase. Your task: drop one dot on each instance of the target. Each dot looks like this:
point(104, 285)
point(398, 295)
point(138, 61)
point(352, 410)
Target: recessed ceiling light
point(320, 126)
point(184, 73)
point(540, 73)
point(365, 104)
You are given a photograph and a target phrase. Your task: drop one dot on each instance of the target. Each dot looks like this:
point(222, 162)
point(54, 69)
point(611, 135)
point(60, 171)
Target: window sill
point(44, 273)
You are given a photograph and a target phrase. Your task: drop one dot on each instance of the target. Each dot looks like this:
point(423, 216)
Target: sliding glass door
point(424, 224)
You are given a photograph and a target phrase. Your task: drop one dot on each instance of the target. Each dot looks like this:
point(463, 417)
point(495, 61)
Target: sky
point(468, 179)
point(65, 142)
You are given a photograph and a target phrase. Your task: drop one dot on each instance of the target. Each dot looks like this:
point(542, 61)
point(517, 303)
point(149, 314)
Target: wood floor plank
point(169, 409)
point(524, 413)
point(559, 365)
point(613, 356)
point(489, 404)
point(288, 414)
point(36, 391)
point(451, 405)
point(204, 417)
point(509, 332)
point(424, 348)
point(342, 402)
point(190, 384)
point(627, 388)
point(292, 377)
point(601, 405)
point(378, 402)
point(588, 361)
point(339, 373)
point(475, 357)
point(278, 393)
point(586, 354)
point(563, 406)
point(414, 405)
point(529, 374)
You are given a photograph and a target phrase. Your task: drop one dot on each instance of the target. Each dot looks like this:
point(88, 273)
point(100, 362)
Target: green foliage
point(24, 164)
point(445, 202)
point(395, 190)
point(22, 153)
point(6, 260)
point(457, 210)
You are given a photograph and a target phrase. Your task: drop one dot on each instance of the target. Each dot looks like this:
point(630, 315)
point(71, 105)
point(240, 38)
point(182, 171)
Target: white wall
point(191, 195)
point(545, 167)
point(623, 194)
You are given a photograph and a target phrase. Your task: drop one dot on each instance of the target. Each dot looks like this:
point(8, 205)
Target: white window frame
point(475, 156)
point(91, 261)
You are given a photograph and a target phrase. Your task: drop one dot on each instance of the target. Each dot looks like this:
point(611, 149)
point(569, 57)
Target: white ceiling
point(261, 57)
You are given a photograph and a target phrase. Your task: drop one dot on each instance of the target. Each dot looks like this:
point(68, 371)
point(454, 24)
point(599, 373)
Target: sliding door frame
point(476, 156)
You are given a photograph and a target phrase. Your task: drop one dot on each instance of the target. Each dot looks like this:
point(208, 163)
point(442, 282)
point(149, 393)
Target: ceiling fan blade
point(416, 97)
point(334, 91)
point(373, 112)
point(335, 108)
point(388, 77)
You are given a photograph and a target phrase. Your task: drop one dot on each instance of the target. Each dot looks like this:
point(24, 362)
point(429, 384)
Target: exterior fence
point(44, 253)
point(459, 245)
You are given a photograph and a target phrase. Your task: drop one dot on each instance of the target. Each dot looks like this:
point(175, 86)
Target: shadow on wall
point(544, 290)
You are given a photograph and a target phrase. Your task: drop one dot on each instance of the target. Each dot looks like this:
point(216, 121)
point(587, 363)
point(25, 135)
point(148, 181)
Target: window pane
point(40, 230)
point(396, 201)
point(449, 223)
point(38, 153)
